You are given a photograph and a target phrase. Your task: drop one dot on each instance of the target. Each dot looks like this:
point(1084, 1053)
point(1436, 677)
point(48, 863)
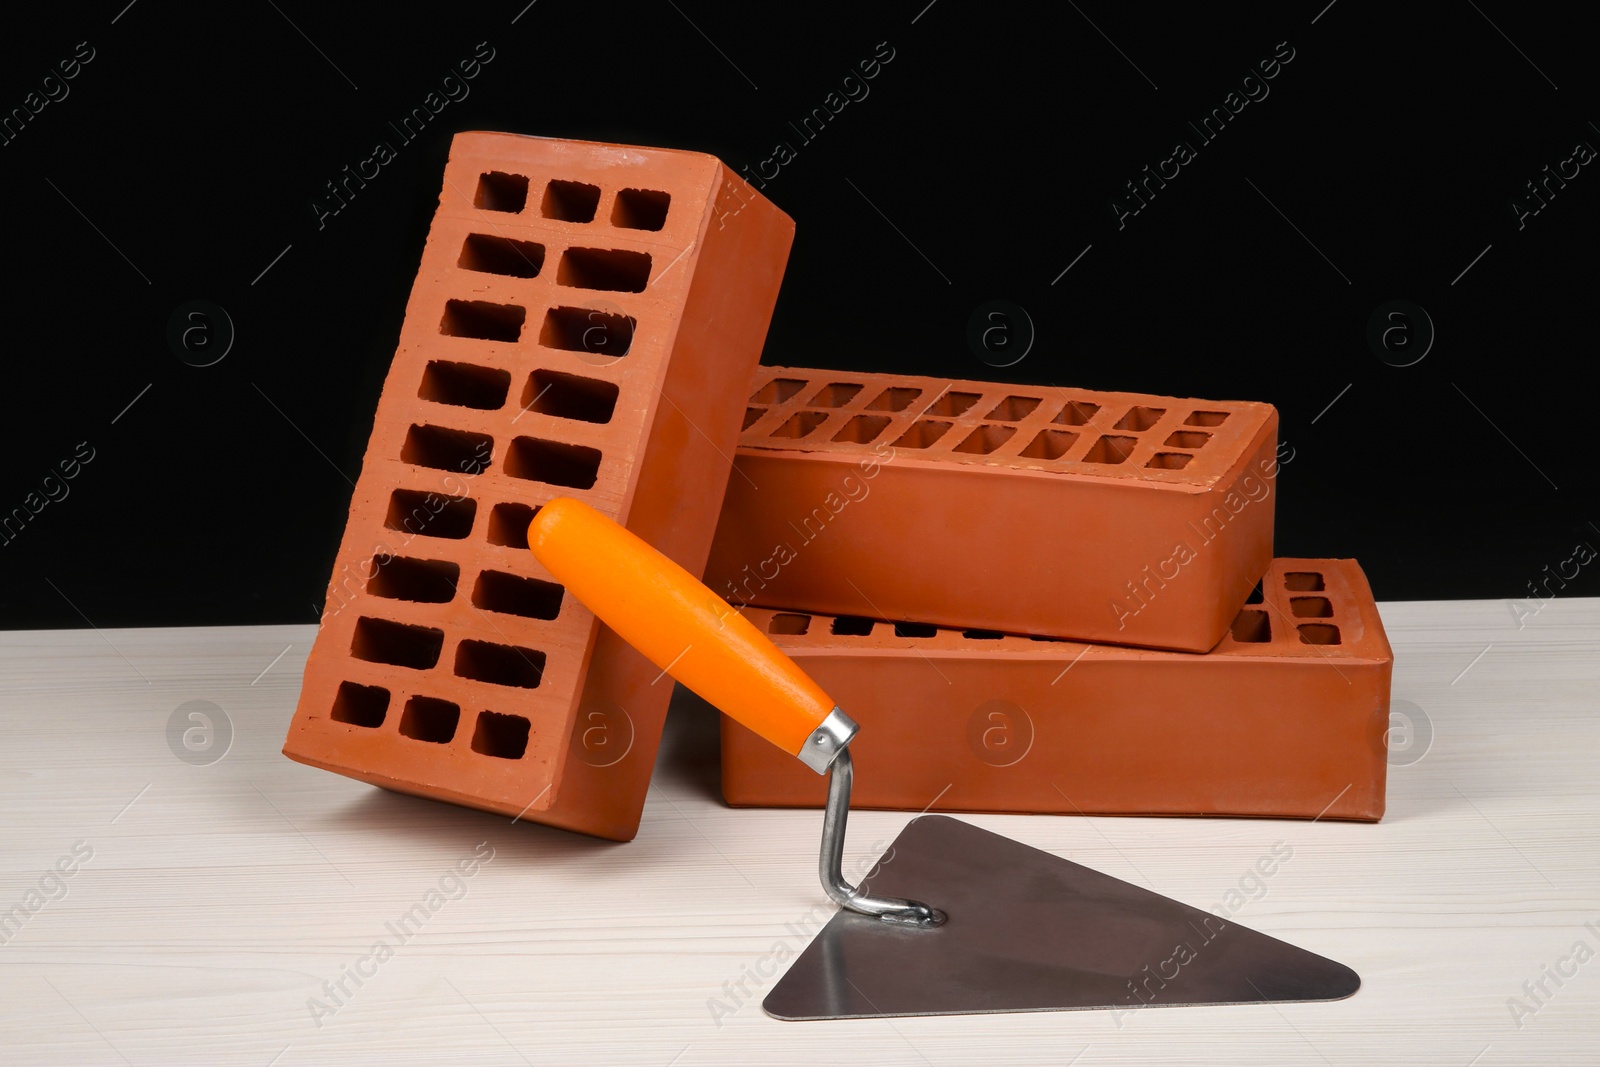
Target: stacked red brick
point(995, 521)
point(1286, 717)
point(584, 323)
point(1114, 517)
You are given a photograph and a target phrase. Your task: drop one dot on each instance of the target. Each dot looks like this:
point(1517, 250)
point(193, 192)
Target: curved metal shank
point(830, 865)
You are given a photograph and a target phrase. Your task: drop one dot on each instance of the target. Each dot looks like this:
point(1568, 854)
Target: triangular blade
point(1028, 931)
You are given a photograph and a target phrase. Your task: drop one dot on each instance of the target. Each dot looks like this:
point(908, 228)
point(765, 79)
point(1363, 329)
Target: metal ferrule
point(827, 741)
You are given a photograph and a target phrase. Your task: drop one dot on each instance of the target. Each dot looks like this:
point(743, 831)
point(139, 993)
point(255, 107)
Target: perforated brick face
point(1095, 434)
point(584, 323)
point(1285, 717)
point(1111, 517)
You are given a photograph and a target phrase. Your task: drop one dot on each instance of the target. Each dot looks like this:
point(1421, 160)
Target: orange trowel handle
point(687, 630)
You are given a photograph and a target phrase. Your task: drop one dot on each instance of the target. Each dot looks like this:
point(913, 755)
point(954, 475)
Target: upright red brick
point(1285, 718)
point(1108, 517)
point(584, 323)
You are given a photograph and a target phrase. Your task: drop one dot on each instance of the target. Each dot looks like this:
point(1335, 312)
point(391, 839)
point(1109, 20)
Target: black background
point(984, 160)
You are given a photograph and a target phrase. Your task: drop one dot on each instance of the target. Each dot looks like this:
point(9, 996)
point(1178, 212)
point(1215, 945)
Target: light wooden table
point(219, 898)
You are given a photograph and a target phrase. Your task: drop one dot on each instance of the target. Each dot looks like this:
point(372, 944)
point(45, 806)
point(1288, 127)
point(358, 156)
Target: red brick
point(1284, 718)
point(1108, 517)
point(502, 693)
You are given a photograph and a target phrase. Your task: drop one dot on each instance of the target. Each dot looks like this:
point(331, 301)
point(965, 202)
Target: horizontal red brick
point(1285, 718)
point(1108, 517)
point(584, 323)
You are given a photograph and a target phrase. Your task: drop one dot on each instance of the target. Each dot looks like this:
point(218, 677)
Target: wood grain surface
point(214, 906)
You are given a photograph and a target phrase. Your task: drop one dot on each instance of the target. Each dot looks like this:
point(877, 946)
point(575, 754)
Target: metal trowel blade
point(1029, 931)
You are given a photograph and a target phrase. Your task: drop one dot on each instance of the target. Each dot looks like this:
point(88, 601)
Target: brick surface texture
point(1284, 718)
point(585, 322)
point(1107, 517)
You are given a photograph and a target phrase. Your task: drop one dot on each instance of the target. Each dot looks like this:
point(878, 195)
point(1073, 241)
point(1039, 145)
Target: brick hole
point(588, 330)
point(570, 201)
point(915, 629)
point(1311, 607)
point(498, 191)
point(553, 462)
point(863, 429)
point(1013, 408)
point(508, 524)
point(500, 736)
point(490, 254)
point(982, 635)
point(1255, 595)
point(615, 270)
point(448, 450)
point(1251, 627)
point(985, 439)
point(1303, 582)
point(752, 416)
point(778, 390)
point(426, 514)
point(640, 209)
point(1050, 444)
point(1111, 450)
point(430, 719)
point(922, 435)
point(482, 320)
point(1169, 461)
point(465, 385)
point(801, 424)
point(895, 399)
point(833, 396)
point(1076, 413)
point(511, 665)
point(423, 581)
point(360, 705)
point(1206, 418)
point(851, 626)
point(789, 624)
point(1187, 439)
point(569, 396)
point(512, 594)
point(953, 404)
point(382, 641)
point(1138, 419)
point(1318, 633)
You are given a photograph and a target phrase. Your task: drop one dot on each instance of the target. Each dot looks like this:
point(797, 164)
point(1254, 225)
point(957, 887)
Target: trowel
point(953, 919)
